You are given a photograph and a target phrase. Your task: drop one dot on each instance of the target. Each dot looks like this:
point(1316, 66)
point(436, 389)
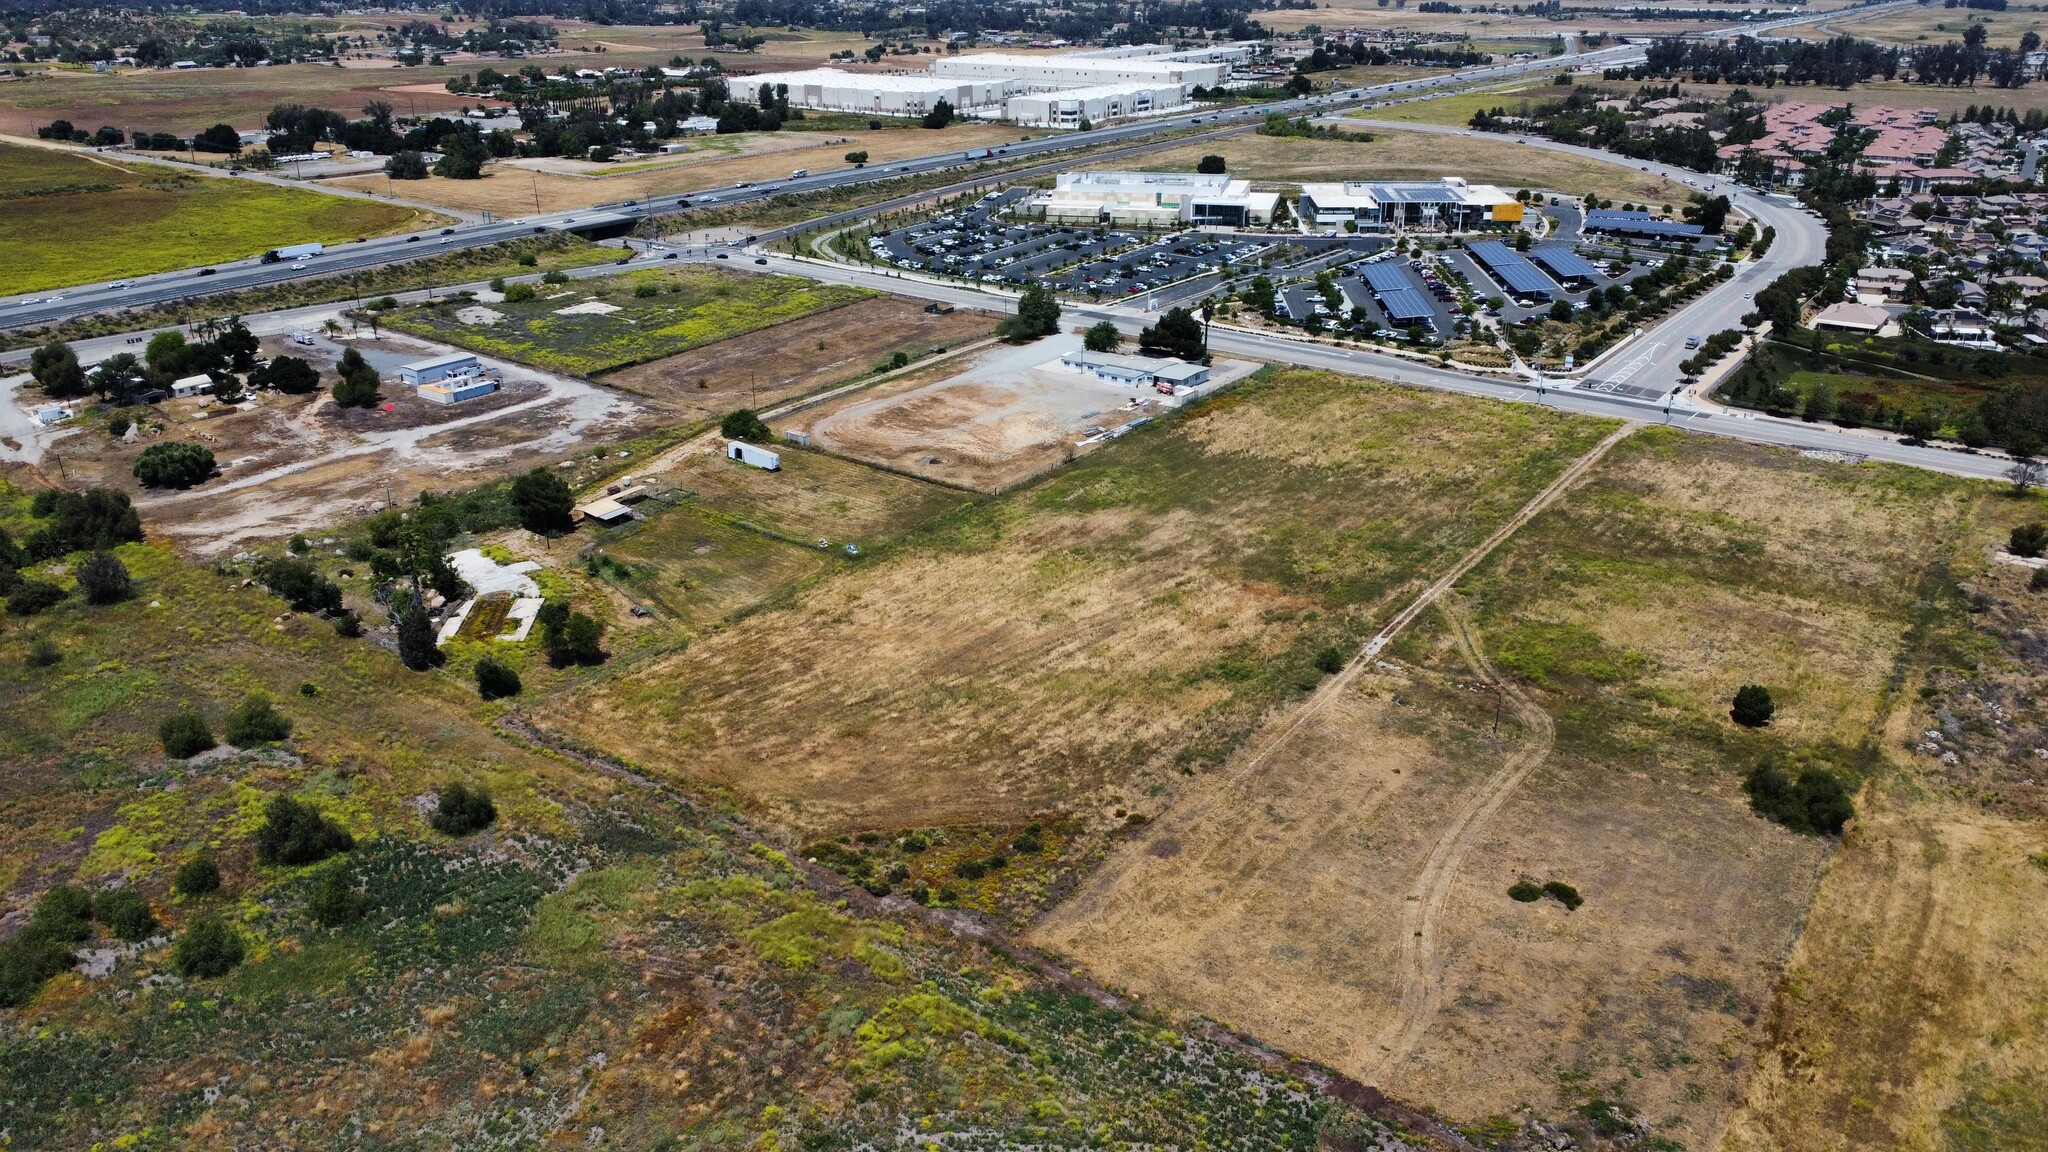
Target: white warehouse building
point(1066, 109)
point(1157, 199)
point(885, 94)
point(1047, 73)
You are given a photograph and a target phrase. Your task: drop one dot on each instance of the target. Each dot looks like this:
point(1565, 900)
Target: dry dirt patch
point(762, 369)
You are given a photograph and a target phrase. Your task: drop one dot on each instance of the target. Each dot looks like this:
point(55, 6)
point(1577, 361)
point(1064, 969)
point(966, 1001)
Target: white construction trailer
point(758, 457)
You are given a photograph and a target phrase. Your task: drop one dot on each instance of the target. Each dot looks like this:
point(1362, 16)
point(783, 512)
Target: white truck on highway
point(293, 252)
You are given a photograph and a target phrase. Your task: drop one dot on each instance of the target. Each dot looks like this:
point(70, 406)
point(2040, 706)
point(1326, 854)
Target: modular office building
point(1446, 205)
point(1156, 199)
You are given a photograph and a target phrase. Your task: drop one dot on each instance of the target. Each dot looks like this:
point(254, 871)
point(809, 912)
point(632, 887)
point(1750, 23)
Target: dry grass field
point(1346, 895)
point(762, 369)
point(512, 190)
point(1396, 155)
point(1929, 23)
point(1082, 643)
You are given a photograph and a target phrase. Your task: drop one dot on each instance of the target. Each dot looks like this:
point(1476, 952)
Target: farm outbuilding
point(758, 457)
point(438, 369)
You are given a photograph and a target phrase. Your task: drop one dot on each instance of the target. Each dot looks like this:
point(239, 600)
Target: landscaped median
point(594, 326)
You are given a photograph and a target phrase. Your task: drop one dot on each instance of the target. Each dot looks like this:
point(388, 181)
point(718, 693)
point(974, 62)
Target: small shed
point(438, 369)
point(758, 457)
point(192, 386)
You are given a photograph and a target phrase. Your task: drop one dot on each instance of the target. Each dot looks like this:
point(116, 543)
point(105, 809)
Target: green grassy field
point(74, 219)
point(688, 307)
point(1459, 107)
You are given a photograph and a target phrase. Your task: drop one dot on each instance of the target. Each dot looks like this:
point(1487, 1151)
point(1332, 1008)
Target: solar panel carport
point(1565, 264)
point(1402, 300)
point(1638, 224)
point(1509, 268)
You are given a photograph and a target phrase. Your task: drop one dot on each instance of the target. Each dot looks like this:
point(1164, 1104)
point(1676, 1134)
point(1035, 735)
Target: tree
point(1038, 314)
point(55, 367)
point(2025, 473)
point(287, 374)
point(406, 165)
point(462, 155)
point(940, 115)
point(104, 579)
point(570, 637)
point(463, 809)
point(254, 721)
point(1211, 166)
point(184, 735)
point(118, 378)
point(1261, 296)
point(1753, 707)
point(494, 680)
point(357, 387)
point(1102, 336)
point(1710, 214)
point(219, 138)
point(857, 159)
point(1178, 333)
point(177, 465)
point(544, 502)
point(233, 340)
point(207, 948)
point(1561, 311)
point(293, 833)
point(743, 424)
point(299, 584)
point(416, 647)
point(199, 876)
point(126, 914)
point(165, 352)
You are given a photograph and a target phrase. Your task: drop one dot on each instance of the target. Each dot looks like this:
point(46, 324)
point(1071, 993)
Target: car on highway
point(412, 239)
point(206, 272)
point(60, 299)
point(623, 260)
point(121, 284)
point(723, 256)
point(447, 231)
point(760, 259)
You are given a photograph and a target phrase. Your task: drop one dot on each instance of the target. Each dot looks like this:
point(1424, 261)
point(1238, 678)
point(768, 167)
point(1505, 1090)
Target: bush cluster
point(333, 900)
point(198, 876)
point(184, 735)
point(254, 721)
point(62, 920)
point(495, 680)
point(1752, 707)
point(1815, 804)
point(570, 638)
point(463, 809)
point(177, 465)
point(207, 948)
point(295, 833)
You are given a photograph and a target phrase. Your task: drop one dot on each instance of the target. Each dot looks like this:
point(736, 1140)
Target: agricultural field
point(797, 357)
point(1084, 644)
point(1564, 718)
point(601, 963)
point(594, 326)
point(1398, 155)
point(74, 218)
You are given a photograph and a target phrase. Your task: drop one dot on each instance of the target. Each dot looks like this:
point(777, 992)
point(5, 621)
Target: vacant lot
point(1395, 155)
point(511, 189)
point(1916, 24)
point(74, 218)
point(182, 103)
point(796, 357)
point(595, 325)
point(1097, 634)
point(1367, 861)
point(814, 496)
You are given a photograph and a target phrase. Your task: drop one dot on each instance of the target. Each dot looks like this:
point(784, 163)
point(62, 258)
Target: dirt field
point(510, 190)
point(762, 369)
point(1080, 643)
point(1396, 155)
point(1370, 858)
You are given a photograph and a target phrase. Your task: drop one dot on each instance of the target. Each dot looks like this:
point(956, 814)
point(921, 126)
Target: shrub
point(463, 809)
point(495, 681)
point(2028, 539)
point(544, 502)
point(254, 721)
point(745, 425)
point(2038, 581)
point(497, 283)
point(348, 625)
point(1752, 707)
point(1815, 804)
point(518, 293)
point(573, 638)
point(78, 521)
point(295, 833)
point(198, 876)
point(63, 914)
point(333, 900)
point(43, 653)
point(1527, 891)
point(557, 276)
point(25, 963)
point(1330, 660)
point(528, 260)
point(1030, 841)
point(126, 914)
point(173, 465)
point(645, 290)
point(104, 579)
point(32, 596)
point(299, 584)
point(416, 647)
point(287, 374)
point(184, 735)
point(1212, 166)
point(1564, 894)
point(207, 947)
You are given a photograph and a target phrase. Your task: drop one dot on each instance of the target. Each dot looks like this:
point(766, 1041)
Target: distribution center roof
point(1518, 274)
point(1397, 294)
point(1565, 264)
point(1642, 223)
